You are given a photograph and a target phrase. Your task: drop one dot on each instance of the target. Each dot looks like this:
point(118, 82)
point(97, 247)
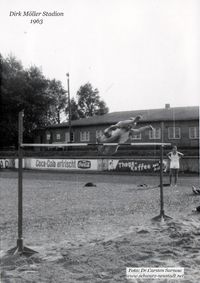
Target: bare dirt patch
point(90, 234)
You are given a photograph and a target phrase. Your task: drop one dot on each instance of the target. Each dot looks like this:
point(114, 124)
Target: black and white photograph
point(99, 141)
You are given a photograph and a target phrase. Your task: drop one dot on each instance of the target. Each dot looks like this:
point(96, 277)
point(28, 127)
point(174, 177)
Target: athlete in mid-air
point(120, 133)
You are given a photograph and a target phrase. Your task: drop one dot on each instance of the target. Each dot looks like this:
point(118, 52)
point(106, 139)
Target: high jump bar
point(91, 144)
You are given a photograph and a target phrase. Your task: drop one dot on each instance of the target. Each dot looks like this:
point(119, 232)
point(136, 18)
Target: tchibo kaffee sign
point(130, 165)
point(61, 164)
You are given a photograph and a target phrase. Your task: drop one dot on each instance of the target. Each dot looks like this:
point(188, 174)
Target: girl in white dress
point(174, 157)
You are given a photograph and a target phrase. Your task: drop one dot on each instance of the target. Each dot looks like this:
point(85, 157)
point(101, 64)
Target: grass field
point(90, 234)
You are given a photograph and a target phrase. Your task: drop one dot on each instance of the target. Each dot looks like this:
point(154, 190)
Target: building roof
point(150, 115)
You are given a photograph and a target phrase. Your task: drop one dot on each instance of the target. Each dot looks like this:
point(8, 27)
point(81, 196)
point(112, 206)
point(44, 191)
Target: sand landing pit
point(92, 234)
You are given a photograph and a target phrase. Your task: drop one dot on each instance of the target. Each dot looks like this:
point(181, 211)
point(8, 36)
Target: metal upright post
point(20, 248)
point(162, 215)
point(20, 184)
point(161, 182)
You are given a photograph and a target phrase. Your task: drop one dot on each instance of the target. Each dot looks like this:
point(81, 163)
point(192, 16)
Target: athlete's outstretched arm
point(140, 130)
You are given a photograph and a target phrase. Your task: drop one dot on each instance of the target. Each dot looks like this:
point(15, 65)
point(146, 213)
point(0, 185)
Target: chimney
point(167, 106)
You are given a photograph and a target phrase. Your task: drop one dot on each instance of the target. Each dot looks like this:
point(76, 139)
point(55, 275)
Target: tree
point(57, 94)
point(42, 100)
point(74, 110)
point(37, 102)
point(88, 103)
point(12, 92)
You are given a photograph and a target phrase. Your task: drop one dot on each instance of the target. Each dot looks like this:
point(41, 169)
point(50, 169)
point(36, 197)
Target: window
point(85, 136)
point(57, 136)
point(136, 137)
point(155, 134)
point(193, 132)
point(174, 133)
point(48, 137)
point(67, 137)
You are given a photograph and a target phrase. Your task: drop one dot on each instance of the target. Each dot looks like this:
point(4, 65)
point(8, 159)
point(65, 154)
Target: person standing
point(174, 157)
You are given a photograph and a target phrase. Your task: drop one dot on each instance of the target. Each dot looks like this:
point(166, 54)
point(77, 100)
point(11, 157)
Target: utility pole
point(69, 105)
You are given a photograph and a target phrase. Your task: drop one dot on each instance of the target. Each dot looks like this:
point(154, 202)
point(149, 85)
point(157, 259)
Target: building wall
point(185, 140)
point(76, 132)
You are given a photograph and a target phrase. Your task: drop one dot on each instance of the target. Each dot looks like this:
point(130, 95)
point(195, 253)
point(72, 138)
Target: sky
point(139, 54)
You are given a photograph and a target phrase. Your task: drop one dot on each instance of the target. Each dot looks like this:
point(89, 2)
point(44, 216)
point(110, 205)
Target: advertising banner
point(7, 163)
point(134, 165)
point(61, 164)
